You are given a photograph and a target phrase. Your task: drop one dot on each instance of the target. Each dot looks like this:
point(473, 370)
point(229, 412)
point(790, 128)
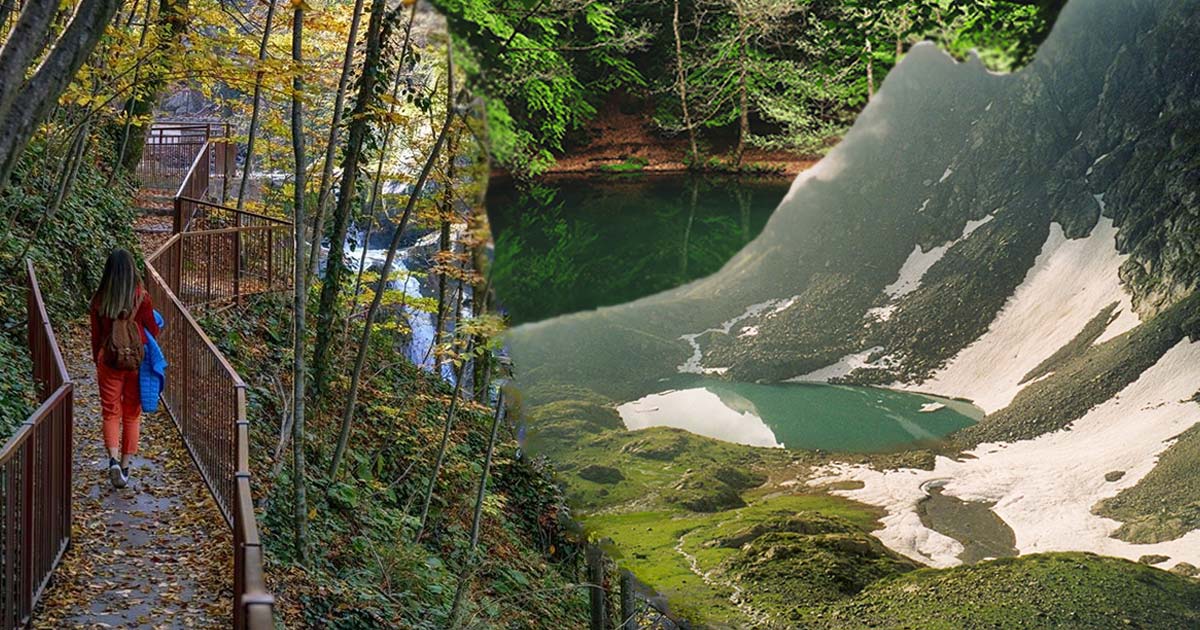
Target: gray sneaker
point(117, 476)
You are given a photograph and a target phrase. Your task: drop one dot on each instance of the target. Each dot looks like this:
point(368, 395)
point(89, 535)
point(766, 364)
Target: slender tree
point(172, 21)
point(335, 129)
point(477, 516)
point(335, 266)
point(447, 427)
point(681, 83)
point(300, 289)
point(385, 273)
point(256, 107)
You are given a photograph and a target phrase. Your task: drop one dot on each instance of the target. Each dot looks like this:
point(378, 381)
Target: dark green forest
point(712, 75)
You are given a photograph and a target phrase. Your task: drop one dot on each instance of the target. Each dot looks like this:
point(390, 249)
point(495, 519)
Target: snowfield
point(1045, 488)
point(1068, 285)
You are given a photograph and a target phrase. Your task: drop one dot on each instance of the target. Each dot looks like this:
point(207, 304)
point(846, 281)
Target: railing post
point(270, 234)
point(228, 161)
point(627, 601)
point(237, 260)
point(597, 599)
point(27, 541)
point(10, 547)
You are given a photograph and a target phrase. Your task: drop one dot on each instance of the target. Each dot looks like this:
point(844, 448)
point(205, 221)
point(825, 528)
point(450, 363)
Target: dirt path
point(152, 555)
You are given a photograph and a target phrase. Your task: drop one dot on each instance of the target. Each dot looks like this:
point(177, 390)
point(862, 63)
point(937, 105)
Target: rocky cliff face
point(1103, 123)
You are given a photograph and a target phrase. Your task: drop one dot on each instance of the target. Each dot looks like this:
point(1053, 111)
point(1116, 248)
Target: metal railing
point(206, 399)
point(229, 263)
point(173, 147)
point(35, 475)
point(217, 254)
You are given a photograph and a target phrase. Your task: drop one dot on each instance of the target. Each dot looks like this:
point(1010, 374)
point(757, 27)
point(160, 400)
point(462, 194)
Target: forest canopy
point(775, 74)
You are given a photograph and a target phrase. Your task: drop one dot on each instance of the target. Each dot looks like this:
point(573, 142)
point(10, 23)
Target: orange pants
point(120, 406)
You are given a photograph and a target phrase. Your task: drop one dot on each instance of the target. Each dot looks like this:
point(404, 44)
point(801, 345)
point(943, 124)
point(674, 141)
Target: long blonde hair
point(118, 286)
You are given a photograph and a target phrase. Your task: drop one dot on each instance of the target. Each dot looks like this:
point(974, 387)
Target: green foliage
point(368, 571)
point(543, 68)
point(16, 389)
point(546, 67)
point(628, 165)
point(68, 249)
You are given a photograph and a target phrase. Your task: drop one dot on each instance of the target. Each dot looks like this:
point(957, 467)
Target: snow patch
point(1045, 488)
point(919, 262)
point(694, 363)
point(1095, 162)
point(882, 313)
point(946, 175)
point(844, 366)
point(1069, 283)
point(702, 412)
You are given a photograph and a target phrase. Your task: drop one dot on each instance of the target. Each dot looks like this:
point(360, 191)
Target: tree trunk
point(373, 204)
point(335, 129)
point(335, 266)
point(443, 281)
point(870, 73)
point(482, 364)
point(39, 94)
point(446, 428)
point(127, 127)
point(300, 295)
point(360, 359)
point(447, 212)
point(477, 517)
point(252, 135)
point(172, 14)
point(743, 98)
point(681, 77)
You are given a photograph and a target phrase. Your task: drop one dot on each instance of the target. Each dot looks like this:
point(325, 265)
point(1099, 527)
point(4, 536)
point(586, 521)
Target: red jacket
point(102, 326)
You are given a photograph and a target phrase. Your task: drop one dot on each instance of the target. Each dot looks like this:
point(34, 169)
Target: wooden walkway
point(179, 547)
point(154, 554)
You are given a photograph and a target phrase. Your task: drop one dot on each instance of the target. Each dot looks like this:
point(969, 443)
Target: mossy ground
point(1054, 590)
point(366, 569)
point(659, 547)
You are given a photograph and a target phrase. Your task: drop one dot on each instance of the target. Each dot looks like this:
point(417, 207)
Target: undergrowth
point(68, 250)
point(366, 570)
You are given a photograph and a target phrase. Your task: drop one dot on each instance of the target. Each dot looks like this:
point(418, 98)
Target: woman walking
point(121, 317)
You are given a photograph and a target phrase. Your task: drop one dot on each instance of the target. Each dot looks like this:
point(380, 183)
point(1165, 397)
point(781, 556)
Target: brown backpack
point(124, 350)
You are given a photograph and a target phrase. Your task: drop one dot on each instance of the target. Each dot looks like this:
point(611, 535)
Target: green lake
point(572, 244)
point(801, 415)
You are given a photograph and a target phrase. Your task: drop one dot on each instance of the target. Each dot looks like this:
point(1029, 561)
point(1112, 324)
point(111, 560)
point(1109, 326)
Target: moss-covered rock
point(805, 523)
point(1065, 590)
point(788, 571)
point(601, 474)
point(713, 489)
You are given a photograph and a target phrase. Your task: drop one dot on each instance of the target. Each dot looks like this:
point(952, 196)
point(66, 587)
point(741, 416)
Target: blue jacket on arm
point(153, 374)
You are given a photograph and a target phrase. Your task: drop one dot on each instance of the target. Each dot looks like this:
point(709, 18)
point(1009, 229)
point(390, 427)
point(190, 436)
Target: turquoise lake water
point(801, 416)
